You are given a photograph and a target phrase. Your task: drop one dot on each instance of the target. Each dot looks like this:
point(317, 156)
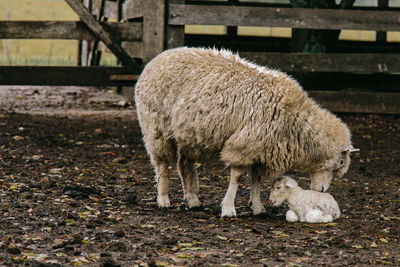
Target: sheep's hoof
point(163, 201)
point(228, 212)
point(192, 201)
point(258, 209)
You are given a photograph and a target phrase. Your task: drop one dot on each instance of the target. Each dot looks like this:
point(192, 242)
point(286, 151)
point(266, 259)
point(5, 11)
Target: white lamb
point(305, 205)
point(198, 104)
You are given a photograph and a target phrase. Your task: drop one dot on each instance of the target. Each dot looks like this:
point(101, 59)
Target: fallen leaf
point(193, 248)
point(383, 240)
point(69, 222)
point(160, 263)
point(373, 245)
point(148, 226)
point(222, 237)
point(56, 170)
point(18, 138)
point(183, 256)
point(276, 232)
point(185, 244)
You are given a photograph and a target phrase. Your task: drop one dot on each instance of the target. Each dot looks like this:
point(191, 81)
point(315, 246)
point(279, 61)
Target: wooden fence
point(161, 25)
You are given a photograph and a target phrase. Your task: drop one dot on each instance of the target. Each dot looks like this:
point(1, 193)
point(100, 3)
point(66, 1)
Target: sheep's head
point(332, 168)
point(281, 190)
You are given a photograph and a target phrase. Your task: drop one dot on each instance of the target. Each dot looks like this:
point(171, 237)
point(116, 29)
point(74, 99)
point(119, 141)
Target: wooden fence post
point(153, 28)
point(382, 5)
point(175, 34)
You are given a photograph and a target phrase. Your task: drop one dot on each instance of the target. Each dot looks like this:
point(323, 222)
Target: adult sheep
point(198, 104)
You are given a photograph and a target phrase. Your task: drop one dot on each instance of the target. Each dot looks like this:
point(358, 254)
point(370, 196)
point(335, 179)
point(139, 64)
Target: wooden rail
point(358, 102)
point(80, 76)
point(355, 63)
point(76, 30)
point(298, 18)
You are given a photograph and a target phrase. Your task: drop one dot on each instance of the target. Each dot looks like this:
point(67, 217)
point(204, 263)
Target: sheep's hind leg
point(189, 178)
point(228, 204)
point(255, 194)
point(162, 173)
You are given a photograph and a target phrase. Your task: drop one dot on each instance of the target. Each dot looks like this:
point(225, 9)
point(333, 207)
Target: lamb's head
point(281, 190)
point(335, 167)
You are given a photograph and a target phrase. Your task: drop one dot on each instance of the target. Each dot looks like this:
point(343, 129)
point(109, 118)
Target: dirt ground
point(77, 188)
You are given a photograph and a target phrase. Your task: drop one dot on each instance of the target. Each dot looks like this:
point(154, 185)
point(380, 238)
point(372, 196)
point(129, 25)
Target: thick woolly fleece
point(210, 102)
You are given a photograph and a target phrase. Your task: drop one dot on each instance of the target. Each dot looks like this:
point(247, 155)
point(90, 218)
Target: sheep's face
point(281, 190)
point(342, 164)
point(332, 168)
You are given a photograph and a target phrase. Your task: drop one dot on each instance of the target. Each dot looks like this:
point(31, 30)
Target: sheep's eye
point(341, 163)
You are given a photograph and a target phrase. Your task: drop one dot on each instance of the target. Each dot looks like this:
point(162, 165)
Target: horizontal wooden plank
point(336, 101)
point(300, 62)
point(303, 18)
point(128, 31)
point(79, 76)
point(358, 102)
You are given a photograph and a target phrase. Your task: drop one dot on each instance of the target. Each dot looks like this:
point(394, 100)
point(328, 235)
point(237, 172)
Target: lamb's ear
point(291, 183)
point(350, 148)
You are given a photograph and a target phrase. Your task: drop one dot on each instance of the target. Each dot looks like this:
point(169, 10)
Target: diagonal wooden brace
point(105, 34)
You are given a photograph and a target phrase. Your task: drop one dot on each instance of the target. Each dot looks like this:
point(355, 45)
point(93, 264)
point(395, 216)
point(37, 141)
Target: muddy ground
point(77, 188)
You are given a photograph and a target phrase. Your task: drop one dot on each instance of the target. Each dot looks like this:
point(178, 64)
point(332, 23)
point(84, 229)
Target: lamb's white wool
point(197, 104)
point(291, 216)
point(305, 205)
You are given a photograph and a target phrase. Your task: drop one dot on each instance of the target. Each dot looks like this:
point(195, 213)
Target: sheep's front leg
point(228, 204)
point(255, 193)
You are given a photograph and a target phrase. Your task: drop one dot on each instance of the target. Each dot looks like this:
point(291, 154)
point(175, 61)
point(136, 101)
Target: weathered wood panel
point(133, 10)
point(153, 28)
point(80, 76)
point(358, 102)
point(300, 62)
point(175, 33)
point(105, 34)
point(303, 18)
point(135, 49)
point(77, 30)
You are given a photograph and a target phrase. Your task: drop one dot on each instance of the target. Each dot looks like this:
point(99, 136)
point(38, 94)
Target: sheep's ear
point(291, 183)
point(350, 148)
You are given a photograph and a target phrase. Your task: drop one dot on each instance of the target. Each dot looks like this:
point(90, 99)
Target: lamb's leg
point(189, 178)
point(162, 178)
point(291, 216)
point(316, 216)
point(327, 218)
point(255, 195)
point(228, 204)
